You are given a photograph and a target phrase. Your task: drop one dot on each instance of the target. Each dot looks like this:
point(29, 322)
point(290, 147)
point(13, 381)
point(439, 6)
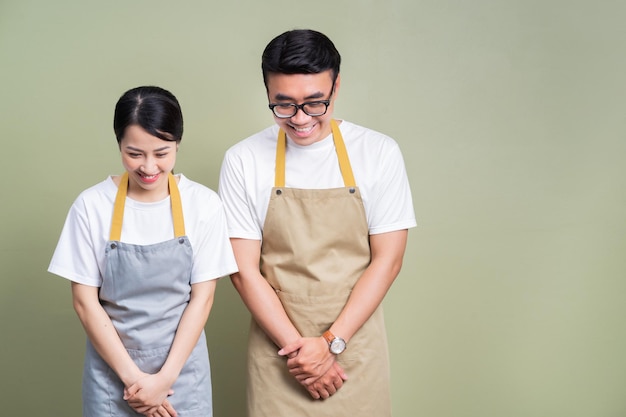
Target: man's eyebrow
point(282, 97)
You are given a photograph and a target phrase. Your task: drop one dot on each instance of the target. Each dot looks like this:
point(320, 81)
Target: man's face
point(303, 88)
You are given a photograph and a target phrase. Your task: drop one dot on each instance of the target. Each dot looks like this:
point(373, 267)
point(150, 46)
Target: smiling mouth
point(303, 130)
point(149, 178)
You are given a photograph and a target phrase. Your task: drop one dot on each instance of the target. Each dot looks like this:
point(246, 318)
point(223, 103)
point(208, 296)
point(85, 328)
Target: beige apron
point(315, 247)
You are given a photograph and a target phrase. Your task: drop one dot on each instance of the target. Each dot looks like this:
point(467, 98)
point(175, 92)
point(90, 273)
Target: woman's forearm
point(102, 333)
point(190, 328)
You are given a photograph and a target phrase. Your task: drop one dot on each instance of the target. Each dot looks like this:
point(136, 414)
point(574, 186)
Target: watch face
point(337, 346)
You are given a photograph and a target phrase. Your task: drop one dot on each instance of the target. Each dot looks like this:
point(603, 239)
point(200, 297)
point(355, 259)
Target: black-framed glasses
point(310, 108)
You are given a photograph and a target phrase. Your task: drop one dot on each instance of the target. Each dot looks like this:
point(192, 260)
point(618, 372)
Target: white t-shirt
point(247, 177)
point(80, 252)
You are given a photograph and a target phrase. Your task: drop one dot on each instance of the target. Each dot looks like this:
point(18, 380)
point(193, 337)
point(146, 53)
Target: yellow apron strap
point(120, 200)
point(281, 144)
point(118, 209)
point(177, 207)
point(340, 148)
point(342, 155)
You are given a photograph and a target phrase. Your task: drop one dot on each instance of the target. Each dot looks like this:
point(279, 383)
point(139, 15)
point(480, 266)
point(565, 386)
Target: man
point(318, 211)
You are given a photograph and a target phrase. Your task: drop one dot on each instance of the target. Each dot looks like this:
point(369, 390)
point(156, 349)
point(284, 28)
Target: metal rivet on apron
point(352, 190)
point(113, 245)
point(279, 192)
point(181, 240)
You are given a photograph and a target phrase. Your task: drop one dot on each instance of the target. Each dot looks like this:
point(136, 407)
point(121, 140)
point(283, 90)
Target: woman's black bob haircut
point(154, 109)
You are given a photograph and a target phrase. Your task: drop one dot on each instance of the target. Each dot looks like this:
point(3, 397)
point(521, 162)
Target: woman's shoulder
point(103, 191)
point(200, 203)
point(194, 190)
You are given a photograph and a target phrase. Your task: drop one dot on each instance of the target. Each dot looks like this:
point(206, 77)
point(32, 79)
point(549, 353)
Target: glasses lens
point(315, 108)
point(285, 110)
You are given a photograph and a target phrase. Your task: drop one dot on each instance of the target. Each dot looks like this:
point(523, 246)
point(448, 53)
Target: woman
point(143, 251)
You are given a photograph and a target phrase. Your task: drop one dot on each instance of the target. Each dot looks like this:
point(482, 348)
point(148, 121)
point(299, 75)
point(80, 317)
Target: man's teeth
point(303, 129)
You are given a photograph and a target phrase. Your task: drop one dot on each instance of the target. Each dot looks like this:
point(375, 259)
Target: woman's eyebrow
point(132, 148)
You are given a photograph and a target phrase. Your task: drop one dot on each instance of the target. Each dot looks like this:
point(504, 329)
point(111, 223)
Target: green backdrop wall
point(511, 117)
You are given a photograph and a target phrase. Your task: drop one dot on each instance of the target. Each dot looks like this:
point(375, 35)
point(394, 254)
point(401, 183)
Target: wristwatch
point(335, 344)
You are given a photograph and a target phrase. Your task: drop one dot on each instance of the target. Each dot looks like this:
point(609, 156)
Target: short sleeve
point(391, 204)
point(240, 214)
point(213, 254)
point(75, 255)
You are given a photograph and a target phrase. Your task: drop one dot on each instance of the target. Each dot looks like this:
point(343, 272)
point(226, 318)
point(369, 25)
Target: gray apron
point(145, 291)
point(315, 247)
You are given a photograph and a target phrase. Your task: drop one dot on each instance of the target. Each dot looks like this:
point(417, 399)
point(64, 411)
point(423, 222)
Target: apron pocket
point(312, 314)
point(192, 389)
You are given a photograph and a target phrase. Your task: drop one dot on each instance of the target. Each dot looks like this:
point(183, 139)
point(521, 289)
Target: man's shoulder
point(365, 136)
point(257, 147)
point(260, 139)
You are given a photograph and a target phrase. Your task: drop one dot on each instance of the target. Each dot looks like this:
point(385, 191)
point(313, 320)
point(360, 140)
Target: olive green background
point(511, 116)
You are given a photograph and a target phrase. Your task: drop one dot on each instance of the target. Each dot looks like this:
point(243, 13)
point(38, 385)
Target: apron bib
point(315, 247)
point(145, 290)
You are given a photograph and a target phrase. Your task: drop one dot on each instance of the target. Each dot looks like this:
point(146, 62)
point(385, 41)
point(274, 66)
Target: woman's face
point(148, 161)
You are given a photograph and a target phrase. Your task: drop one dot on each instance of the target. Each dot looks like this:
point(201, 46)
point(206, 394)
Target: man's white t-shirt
point(248, 169)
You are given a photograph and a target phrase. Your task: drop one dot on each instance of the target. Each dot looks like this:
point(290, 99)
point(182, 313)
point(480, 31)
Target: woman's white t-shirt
point(80, 252)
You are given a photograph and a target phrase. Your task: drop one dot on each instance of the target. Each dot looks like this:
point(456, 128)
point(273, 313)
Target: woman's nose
point(148, 165)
